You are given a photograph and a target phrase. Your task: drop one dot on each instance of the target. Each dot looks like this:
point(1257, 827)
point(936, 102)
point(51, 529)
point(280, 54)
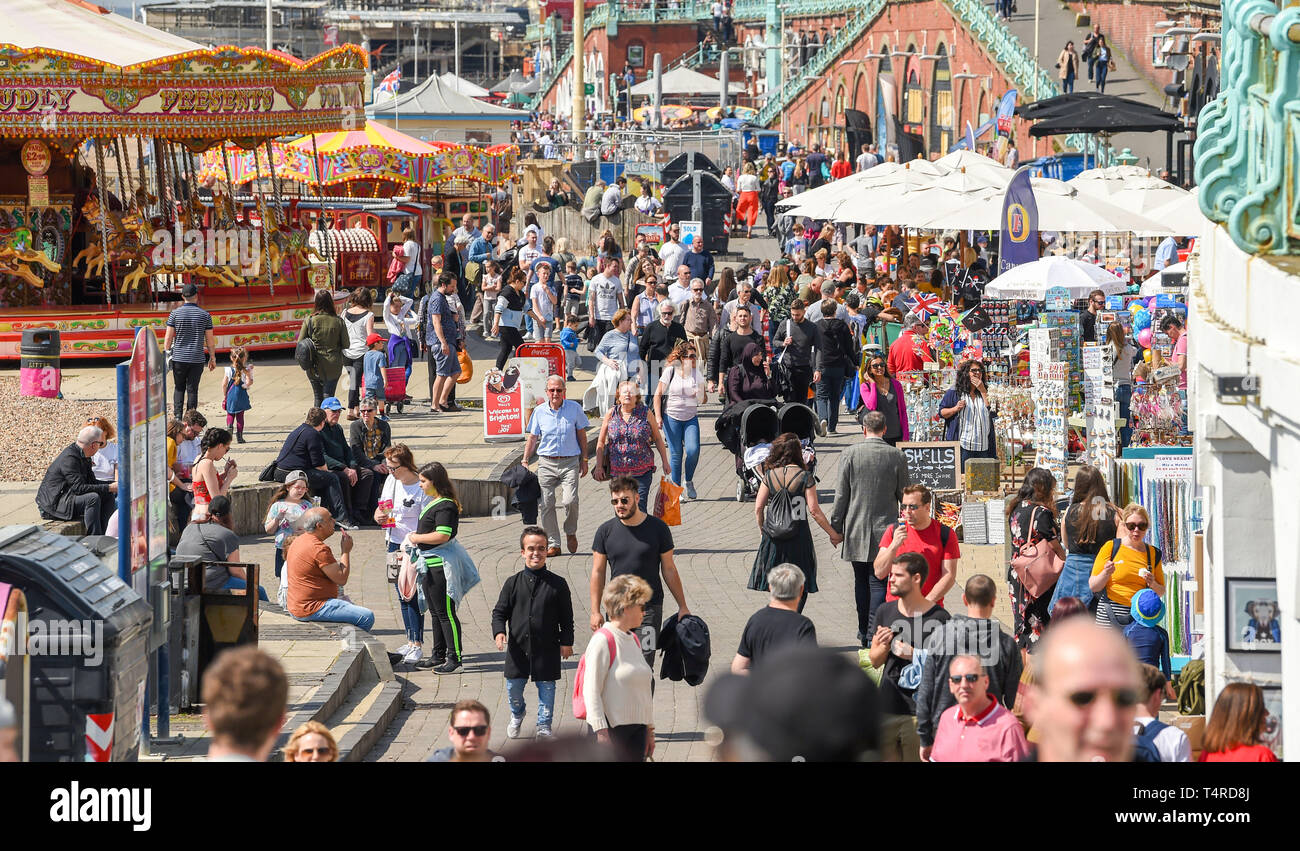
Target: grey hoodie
point(965, 636)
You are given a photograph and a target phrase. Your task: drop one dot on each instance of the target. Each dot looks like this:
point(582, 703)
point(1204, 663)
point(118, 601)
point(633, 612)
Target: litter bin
point(86, 644)
point(714, 201)
point(38, 362)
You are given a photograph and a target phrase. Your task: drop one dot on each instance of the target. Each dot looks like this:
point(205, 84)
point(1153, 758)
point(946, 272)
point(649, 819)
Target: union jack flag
point(925, 305)
point(390, 83)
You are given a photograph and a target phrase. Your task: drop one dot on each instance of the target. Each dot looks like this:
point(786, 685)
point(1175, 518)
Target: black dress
point(797, 550)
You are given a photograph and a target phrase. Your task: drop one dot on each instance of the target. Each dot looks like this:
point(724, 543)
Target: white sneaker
point(544, 732)
point(512, 730)
point(404, 649)
point(413, 655)
point(690, 491)
point(821, 428)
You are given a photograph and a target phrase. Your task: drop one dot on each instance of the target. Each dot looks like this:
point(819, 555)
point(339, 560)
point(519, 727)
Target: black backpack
point(779, 522)
point(1145, 749)
point(305, 352)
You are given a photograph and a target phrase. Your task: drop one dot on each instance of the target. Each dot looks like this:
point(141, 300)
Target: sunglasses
point(554, 389)
point(956, 679)
point(910, 507)
point(477, 729)
point(622, 500)
point(313, 751)
point(1141, 527)
point(367, 410)
point(877, 367)
point(1124, 697)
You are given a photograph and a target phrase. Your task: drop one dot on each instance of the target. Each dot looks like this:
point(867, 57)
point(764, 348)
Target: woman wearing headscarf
point(749, 379)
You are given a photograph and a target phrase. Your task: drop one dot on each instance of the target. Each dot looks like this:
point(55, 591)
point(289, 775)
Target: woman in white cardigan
point(618, 695)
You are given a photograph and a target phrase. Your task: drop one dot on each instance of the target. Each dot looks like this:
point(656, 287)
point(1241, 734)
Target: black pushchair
point(801, 421)
point(743, 426)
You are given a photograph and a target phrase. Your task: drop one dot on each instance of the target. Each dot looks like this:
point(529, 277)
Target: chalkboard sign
point(935, 464)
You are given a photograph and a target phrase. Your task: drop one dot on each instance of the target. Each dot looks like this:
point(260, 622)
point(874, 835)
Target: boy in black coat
point(538, 609)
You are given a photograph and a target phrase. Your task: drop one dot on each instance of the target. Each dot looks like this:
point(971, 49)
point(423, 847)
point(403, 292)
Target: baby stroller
point(801, 421)
point(748, 428)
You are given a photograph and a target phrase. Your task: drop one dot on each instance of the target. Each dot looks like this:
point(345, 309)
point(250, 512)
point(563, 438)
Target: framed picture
point(1254, 619)
point(1273, 725)
point(636, 55)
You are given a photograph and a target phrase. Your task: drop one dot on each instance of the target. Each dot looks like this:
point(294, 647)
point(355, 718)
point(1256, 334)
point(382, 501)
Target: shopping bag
point(466, 368)
point(395, 383)
point(668, 502)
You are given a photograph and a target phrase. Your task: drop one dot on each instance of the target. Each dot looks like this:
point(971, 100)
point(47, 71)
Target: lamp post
point(268, 25)
point(579, 84)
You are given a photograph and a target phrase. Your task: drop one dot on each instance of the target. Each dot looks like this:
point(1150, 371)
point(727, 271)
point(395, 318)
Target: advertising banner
point(1018, 241)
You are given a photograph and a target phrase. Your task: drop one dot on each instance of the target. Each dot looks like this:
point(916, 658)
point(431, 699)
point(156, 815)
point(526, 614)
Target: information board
point(935, 464)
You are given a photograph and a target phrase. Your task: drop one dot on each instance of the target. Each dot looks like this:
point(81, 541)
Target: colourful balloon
point(1146, 355)
point(1141, 319)
point(1151, 302)
point(1134, 307)
point(1144, 337)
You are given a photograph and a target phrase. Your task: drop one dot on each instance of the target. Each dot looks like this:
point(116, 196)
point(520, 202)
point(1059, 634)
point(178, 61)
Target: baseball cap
point(331, 403)
point(189, 290)
point(374, 338)
point(295, 476)
point(1147, 607)
point(803, 703)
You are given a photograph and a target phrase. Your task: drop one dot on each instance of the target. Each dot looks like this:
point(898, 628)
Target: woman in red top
point(1238, 720)
point(841, 167)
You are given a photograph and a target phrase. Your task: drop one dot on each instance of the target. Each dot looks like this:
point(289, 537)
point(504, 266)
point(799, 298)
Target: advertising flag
point(1019, 235)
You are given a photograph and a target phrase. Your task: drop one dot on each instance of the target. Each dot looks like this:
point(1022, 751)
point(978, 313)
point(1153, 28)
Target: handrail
point(1248, 138)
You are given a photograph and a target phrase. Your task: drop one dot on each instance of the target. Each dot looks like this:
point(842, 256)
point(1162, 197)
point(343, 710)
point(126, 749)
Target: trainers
point(544, 732)
point(430, 662)
point(690, 491)
point(451, 666)
point(512, 730)
point(413, 655)
point(404, 649)
point(821, 428)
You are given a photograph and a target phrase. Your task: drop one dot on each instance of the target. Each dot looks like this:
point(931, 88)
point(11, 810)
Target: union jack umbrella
point(925, 305)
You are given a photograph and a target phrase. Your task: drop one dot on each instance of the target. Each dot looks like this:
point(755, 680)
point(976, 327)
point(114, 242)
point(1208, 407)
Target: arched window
point(837, 135)
point(941, 112)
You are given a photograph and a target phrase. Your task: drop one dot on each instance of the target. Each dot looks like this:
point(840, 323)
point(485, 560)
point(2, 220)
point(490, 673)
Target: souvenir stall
point(106, 227)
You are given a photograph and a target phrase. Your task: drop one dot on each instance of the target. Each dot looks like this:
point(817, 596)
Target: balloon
point(1146, 355)
point(1152, 302)
point(1144, 337)
point(1134, 307)
point(1141, 319)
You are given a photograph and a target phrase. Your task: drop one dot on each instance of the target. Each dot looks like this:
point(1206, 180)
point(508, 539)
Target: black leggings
point(510, 340)
point(185, 386)
point(446, 633)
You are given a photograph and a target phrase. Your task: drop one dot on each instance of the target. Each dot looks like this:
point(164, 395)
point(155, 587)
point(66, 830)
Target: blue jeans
point(411, 617)
point(829, 391)
point(237, 584)
point(1101, 71)
point(545, 699)
point(683, 438)
point(340, 611)
point(1067, 84)
point(1073, 581)
point(1124, 396)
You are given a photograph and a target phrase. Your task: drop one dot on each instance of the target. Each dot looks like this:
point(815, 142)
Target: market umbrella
point(1107, 118)
point(1030, 281)
point(908, 203)
point(1182, 216)
point(746, 113)
point(1073, 102)
point(1061, 207)
point(1154, 284)
point(977, 164)
point(824, 201)
point(1135, 189)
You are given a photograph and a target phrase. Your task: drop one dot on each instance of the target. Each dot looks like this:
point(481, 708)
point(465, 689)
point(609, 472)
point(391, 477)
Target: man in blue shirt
point(558, 431)
point(440, 335)
point(480, 246)
point(1167, 253)
point(699, 261)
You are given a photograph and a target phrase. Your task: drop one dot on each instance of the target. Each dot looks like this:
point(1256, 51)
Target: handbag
point(268, 473)
point(668, 502)
point(305, 351)
point(474, 272)
point(1036, 567)
point(466, 367)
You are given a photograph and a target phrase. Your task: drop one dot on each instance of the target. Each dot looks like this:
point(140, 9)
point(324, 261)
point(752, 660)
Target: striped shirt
point(974, 433)
point(190, 322)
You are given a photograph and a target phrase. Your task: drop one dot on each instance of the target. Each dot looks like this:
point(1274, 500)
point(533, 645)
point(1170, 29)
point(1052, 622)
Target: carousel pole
point(230, 193)
point(103, 220)
point(275, 189)
point(327, 241)
point(266, 250)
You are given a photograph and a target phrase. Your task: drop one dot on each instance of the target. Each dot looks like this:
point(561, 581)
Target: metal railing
point(1248, 138)
point(642, 152)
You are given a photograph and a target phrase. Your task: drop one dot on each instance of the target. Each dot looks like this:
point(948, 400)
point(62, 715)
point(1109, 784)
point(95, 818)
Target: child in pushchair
point(759, 426)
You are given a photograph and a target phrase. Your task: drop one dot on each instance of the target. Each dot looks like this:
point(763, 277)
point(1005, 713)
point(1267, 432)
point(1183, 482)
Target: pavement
point(1055, 28)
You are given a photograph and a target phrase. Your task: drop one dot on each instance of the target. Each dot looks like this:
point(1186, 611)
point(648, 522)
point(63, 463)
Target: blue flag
point(1018, 242)
point(1006, 108)
point(970, 138)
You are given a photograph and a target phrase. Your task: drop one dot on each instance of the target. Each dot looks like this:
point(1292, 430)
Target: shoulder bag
point(305, 351)
point(1036, 564)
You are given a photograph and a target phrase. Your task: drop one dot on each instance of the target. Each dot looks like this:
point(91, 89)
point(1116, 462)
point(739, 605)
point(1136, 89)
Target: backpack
point(1145, 749)
point(779, 522)
point(305, 351)
point(579, 701)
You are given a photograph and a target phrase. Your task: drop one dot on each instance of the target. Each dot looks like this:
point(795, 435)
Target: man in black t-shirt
point(634, 542)
point(777, 625)
point(902, 628)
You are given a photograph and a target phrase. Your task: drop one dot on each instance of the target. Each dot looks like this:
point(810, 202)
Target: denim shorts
point(445, 365)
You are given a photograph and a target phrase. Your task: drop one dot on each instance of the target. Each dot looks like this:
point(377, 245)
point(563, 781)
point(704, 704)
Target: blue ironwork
point(1248, 138)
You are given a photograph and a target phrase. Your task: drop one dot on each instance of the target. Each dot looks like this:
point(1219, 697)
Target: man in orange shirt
point(315, 576)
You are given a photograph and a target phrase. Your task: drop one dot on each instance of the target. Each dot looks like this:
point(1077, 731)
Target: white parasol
point(1031, 281)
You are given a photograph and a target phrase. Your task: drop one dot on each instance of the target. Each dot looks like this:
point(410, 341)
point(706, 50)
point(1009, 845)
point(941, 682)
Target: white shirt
point(541, 296)
point(618, 693)
point(749, 183)
point(104, 462)
point(528, 254)
point(187, 452)
point(1171, 742)
point(732, 306)
point(407, 502)
point(648, 204)
point(729, 183)
point(678, 294)
point(411, 249)
point(672, 253)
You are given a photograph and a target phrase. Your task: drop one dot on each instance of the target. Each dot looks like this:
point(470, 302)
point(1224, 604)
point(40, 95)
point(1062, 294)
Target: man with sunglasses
point(976, 633)
point(469, 728)
point(698, 317)
point(659, 338)
point(1088, 319)
point(978, 728)
point(903, 625)
point(70, 491)
point(1085, 696)
point(635, 542)
point(558, 431)
point(918, 532)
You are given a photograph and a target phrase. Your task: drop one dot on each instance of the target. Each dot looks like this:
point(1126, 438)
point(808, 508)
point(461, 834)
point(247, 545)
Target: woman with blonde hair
point(311, 742)
point(747, 207)
point(1124, 566)
point(629, 435)
point(617, 679)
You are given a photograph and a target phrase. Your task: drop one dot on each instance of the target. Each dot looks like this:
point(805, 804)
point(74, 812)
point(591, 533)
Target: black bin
point(38, 363)
point(715, 201)
point(85, 687)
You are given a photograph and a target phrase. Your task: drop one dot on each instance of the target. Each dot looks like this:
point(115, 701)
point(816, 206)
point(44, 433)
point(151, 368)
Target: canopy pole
point(103, 219)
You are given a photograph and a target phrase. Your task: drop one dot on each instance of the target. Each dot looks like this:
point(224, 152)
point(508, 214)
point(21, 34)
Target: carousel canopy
point(435, 99)
point(73, 69)
point(517, 83)
point(685, 81)
point(463, 86)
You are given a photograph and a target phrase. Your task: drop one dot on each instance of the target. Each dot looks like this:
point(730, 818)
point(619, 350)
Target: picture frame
point(636, 55)
point(1272, 736)
point(1254, 621)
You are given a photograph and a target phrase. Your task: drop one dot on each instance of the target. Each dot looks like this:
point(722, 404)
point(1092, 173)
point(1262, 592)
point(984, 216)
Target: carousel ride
point(101, 218)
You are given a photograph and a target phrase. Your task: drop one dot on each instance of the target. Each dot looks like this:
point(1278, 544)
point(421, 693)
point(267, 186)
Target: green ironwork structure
point(1248, 138)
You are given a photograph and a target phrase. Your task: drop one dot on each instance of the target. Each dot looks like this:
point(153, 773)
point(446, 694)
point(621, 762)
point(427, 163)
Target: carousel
point(102, 217)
